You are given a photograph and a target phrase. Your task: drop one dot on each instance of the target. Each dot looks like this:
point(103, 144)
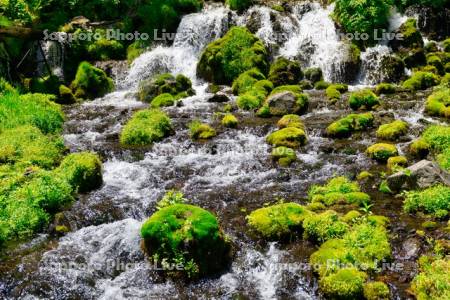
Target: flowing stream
point(230, 175)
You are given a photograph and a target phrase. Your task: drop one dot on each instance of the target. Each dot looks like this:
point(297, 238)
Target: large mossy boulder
point(411, 37)
point(178, 87)
point(188, 235)
point(420, 81)
point(285, 72)
point(346, 126)
point(225, 59)
point(392, 68)
point(91, 82)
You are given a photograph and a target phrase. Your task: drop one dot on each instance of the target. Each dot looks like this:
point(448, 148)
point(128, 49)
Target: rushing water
point(230, 175)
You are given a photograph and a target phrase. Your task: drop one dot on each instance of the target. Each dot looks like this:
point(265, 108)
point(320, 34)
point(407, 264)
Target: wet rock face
point(219, 97)
point(410, 249)
point(283, 102)
point(433, 22)
point(421, 175)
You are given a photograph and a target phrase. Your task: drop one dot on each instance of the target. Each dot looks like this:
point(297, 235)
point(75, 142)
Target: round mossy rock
point(289, 137)
point(187, 233)
point(344, 284)
point(392, 131)
point(381, 152)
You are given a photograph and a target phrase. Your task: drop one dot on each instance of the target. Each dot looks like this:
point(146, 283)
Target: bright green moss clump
point(385, 88)
point(83, 171)
point(363, 99)
point(419, 148)
point(395, 162)
point(338, 190)
point(6, 87)
point(285, 72)
point(145, 128)
point(421, 81)
point(284, 155)
point(434, 200)
point(201, 131)
point(291, 121)
point(438, 103)
point(437, 136)
point(163, 100)
point(229, 120)
point(432, 282)
point(381, 152)
point(333, 91)
point(289, 137)
point(225, 59)
point(314, 75)
point(252, 99)
point(189, 235)
point(443, 159)
point(324, 226)
point(392, 131)
point(347, 283)
point(30, 109)
point(91, 82)
point(164, 85)
point(346, 126)
point(239, 5)
point(278, 221)
point(246, 81)
point(376, 290)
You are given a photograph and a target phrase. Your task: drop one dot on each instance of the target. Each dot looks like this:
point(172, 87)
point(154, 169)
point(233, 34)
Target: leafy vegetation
point(432, 281)
point(290, 137)
point(434, 200)
point(344, 127)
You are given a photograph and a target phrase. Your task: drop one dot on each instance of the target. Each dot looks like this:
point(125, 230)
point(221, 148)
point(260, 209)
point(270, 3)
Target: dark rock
point(433, 22)
point(392, 68)
point(219, 97)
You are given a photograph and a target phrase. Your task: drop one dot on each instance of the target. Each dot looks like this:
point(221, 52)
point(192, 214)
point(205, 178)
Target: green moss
point(419, 148)
point(338, 190)
point(65, 95)
point(364, 175)
point(252, 99)
point(165, 99)
point(278, 8)
point(376, 290)
point(105, 49)
point(134, 50)
point(239, 5)
point(411, 34)
point(287, 88)
point(30, 109)
point(437, 136)
point(225, 59)
point(396, 162)
point(438, 103)
point(332, 93)
point(351, 216)
point(44, 85)
point(447, 68)
point(83, 171)
point(171, 197)
point(443, 159)
point(163, 84)
point(315, 206)
point(229, 120)
point(324, 226)
point(246, 81)
point(434, 200)
point(278, 221)
point(289, 137)
point(347, 283)
point(429, 225)
point(6, 87)
point(381, 152)
point(432, 281)
point(435, 61)
point(91, 82)
point(201, 131)
point(290, 121)
point(285, 72)
point(263, 112)
point(27, 146)
point(145, 128)
point(392, 131)
point(187, 234)
point(321, 85)
point(346, 126)
point(264, 84)
point(284, 155)
point(364, 98)
point(421, 81)
point(385, 88)
point(314, 75)
point(446, 45)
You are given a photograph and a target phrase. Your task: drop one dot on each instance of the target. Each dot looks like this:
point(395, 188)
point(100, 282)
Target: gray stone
point(282, 103)
point(421, 175)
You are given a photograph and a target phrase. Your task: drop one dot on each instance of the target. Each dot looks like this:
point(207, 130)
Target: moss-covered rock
point(414, 58)
point(346, 126)
point(44, 85)
point(229, 120)
point(437, 136)
point(392, 131)
point(411, 37)
point(385, 88)
point(239, 5)
point(290, 121)
point(165, 99)
point(324, 226)
point(314, 75)
point(432, 281)
point(278, 221)
point(321, 85)
point(189, 235)
point(145, 128)
point(334, 91)
point(419, 148)
point(376, 290)
point(363, 175)
point(91, 82)
point(177, 87)
point(284, 155)
point(438, 103)
point(347, 283)
point(381, 152)
point(225, 59)
point(435, 61)
point(65, 95)
point(252, 99)
point(395, 162)
point(421, 81)
point(287, 99)
point(246, 81)
point(285, 72)
point(446, 45)
point(82, 170)
point(364, 98)
point(201, 131)
point(290, 137)
point(392, 68)
point(351, 217)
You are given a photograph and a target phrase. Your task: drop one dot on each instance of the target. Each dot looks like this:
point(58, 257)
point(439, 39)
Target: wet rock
point(392, 68)
point(410, 249)
point(283, 102)
point(433, 22)
point(219, 97)
point(421, 175)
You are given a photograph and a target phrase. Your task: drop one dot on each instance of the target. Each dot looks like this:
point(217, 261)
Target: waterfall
point(53, 52)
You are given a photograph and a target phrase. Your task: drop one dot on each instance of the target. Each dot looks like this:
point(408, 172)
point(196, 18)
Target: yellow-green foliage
point(364, 175)
point(433, 200)
point(278, 221)
point(392, 131)
point(321, 85)
point(332, 93)
point(324, 226)
point(395, 162)
point(186, 234)
point(351, 217)
point(91, 82)
point(437, 136)
point(432, 283)
point(285, 72)
point(381, 152)
point(385, 88)
point(201, 131)
point(252, 99)
point(438, 103)
point(30, 109)
point(289, 137)
point(163, 100)
point(284, 155)
point(229, 120)
point(376, 290)
point(65, 95)
point(421, 81)
point(419, 148)
point(347, 283)
point(6, 87)
point(435, 61)
point(446, 45)
point(225, 59)
point(134, 50)
point(145, 128)
point(443, 159)
point(346, 126)
point(246, 81)
point(364, 98)
point(338, 190)
point(291, 121)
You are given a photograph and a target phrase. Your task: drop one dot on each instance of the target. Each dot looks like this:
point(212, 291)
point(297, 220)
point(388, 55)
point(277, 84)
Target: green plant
point(421, 81)
point(338, 190)
point(381, 152)
point(245, 82)
point(385, 88)
point(291, 121)
point(344, 127)
point(230, 120)
point(376, 290)
point(199, 130)
point(284, 155)
point(171, 197)
point(434, 200)
point(285, 72)
point(91, 82)
point(432, 281)
point(438, 103)
point(324, 226)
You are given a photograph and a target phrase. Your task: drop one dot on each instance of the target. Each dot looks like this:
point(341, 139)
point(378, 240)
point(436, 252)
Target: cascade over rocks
point(433, 22)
